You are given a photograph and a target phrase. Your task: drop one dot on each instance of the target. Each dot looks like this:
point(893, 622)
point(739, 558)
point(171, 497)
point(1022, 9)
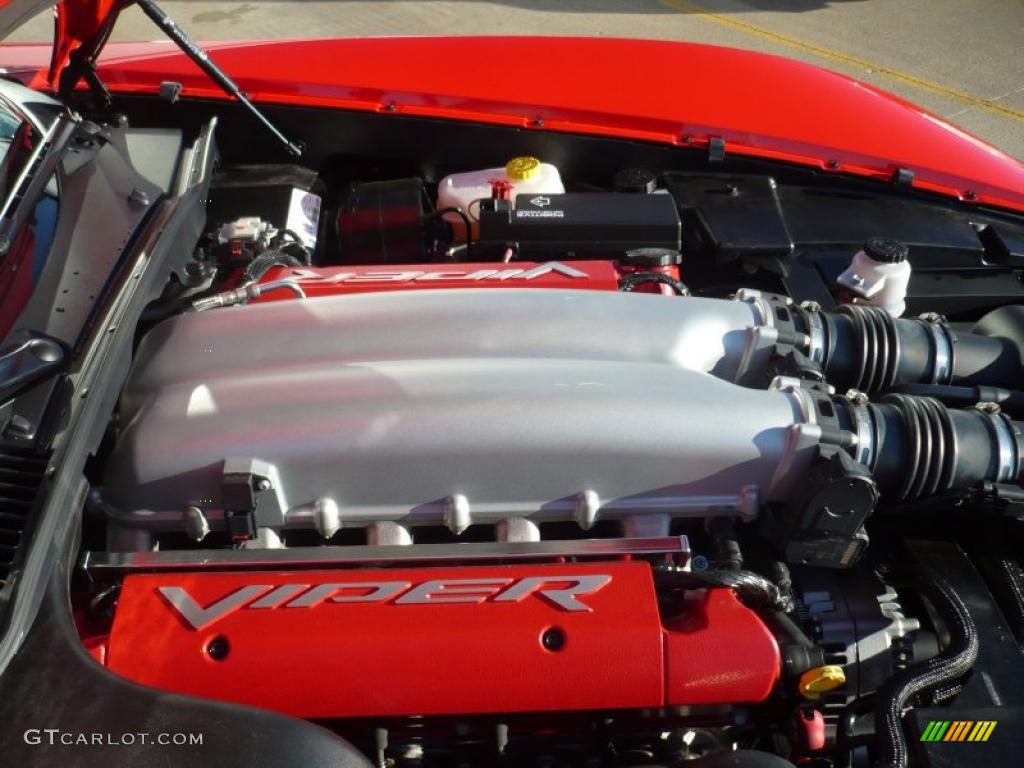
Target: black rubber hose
point(1010, 400)
point(753, 587)
point(631, 282)
point(727, 549)
point(784, 627)
point(281, 240)
point(440, 212)
point(922, 449)
point(865, 348)
point(943, 670)
point(273, 257)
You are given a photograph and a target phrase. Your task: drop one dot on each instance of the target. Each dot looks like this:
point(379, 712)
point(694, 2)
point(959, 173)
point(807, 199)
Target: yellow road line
point(852, 61)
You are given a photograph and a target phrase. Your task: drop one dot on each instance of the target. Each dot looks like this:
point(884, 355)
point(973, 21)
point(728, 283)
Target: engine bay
point(551, 450)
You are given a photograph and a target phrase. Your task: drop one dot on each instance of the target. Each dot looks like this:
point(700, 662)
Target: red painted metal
point(681, 94)
point(74, 24)
point(331, 281)
point(376, 658)
point(711, 649)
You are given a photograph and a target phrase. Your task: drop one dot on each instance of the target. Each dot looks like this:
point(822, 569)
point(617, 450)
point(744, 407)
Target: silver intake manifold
point(506, 407)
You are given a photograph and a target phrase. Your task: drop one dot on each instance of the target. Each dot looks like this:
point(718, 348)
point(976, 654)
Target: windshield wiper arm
point(215, 73)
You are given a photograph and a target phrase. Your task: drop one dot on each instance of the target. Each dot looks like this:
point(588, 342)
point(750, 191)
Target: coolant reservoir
point(524, 175)
point(878, 276)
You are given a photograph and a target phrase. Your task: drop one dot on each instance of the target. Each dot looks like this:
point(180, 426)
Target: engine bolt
point(553, 639)
point(218, 648)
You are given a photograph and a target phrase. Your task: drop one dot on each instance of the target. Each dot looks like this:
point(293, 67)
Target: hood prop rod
point(215, 73)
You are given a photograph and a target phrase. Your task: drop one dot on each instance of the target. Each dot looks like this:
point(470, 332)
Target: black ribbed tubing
point(867, 349)
point(931, 436)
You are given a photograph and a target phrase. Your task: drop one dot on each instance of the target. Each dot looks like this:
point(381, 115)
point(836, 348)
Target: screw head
point(218, 648)
point(553, 639)
point(857, 397)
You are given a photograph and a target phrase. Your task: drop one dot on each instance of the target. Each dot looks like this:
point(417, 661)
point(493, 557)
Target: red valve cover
point(329, 281)
point(418, 641)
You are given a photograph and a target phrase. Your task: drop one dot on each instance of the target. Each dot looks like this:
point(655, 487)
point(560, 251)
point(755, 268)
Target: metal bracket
point(716, 150)
point(252, 497)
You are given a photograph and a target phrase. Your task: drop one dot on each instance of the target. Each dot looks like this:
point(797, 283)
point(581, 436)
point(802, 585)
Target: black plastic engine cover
point(590, 223)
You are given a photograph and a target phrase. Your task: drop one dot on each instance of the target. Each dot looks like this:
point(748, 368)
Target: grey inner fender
point(516, 403)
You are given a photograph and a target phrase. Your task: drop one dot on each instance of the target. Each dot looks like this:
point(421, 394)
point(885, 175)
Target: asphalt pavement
point(959, 59)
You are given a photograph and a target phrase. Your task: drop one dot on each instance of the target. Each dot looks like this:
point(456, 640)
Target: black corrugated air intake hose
point(867, 349)
point(938, 673)
point(917, 447)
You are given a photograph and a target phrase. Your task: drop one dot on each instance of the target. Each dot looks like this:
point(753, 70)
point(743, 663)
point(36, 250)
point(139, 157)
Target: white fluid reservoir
point(523, 175)
point(878, 276)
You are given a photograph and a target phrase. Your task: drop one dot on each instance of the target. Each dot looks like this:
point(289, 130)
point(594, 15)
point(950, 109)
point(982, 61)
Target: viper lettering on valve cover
point(408, 276)
point(560, 591)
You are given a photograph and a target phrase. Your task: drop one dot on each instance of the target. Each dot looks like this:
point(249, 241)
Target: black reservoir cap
point(636, 180)
point(886, 251)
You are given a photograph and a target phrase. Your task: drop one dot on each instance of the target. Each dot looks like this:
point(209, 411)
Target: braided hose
point(263, 263)
point(631, 282)
point(753, 587)
point(938, 673)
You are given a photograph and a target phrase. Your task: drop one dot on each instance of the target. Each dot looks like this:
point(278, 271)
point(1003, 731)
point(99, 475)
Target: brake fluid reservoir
point(525, 176)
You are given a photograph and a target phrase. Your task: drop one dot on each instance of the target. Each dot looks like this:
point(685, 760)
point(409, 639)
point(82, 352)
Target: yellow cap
point(819, 680)
point(522, 168)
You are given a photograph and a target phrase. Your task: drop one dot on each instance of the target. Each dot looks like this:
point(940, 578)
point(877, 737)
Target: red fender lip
point(666, 92)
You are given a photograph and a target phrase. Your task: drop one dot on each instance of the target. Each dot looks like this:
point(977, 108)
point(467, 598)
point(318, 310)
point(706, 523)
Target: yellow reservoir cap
point(522, 168)
point(819, 680)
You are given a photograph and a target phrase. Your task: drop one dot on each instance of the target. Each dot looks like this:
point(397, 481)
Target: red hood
point(676, 93)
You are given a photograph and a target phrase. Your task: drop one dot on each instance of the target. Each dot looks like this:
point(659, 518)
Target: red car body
point(685, 95)
point(666, 92)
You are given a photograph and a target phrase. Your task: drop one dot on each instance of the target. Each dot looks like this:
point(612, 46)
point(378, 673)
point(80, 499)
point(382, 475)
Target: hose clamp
point(815, 331)
point(942, 347)
point(865, 453)
point(1006, 445)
